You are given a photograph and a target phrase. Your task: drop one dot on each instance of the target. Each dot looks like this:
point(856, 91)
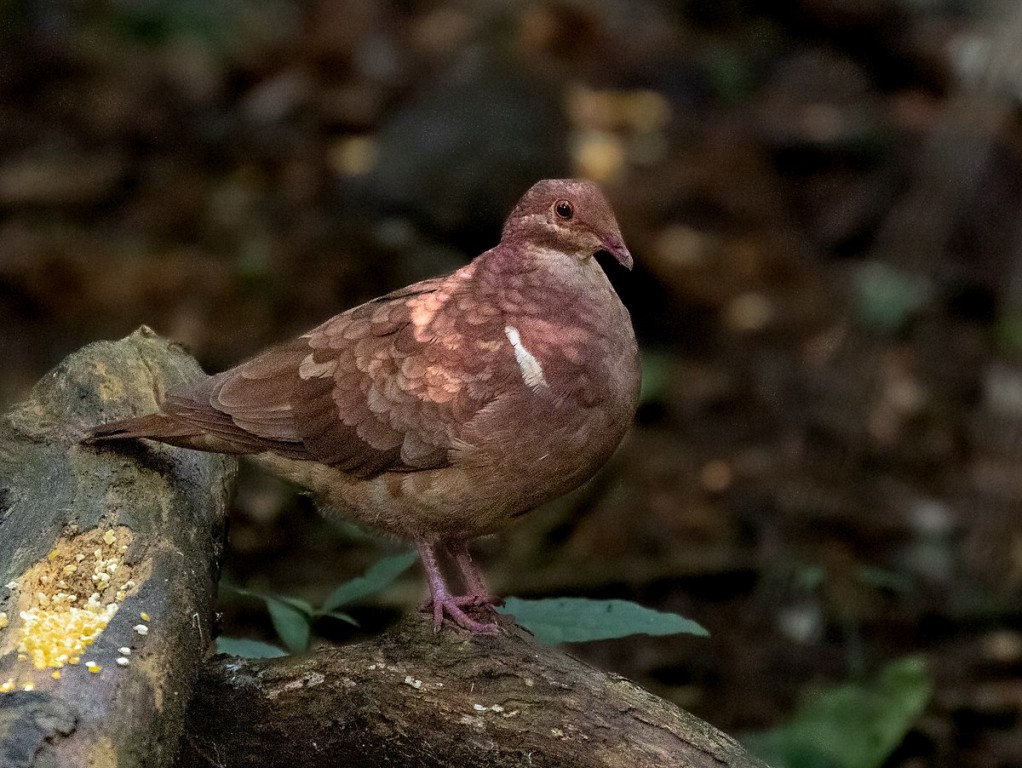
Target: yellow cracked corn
point(61, 622)
point(51, 636)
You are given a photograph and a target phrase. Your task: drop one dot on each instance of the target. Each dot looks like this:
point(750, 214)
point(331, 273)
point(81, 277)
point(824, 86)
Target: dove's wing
point(385, 386)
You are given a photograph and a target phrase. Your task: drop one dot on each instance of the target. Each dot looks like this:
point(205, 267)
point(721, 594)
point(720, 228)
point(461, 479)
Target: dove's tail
point(155, 426)
point(166, 428)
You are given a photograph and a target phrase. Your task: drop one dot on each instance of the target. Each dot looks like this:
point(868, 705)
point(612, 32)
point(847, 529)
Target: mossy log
point(108, 566)
point(140, 528)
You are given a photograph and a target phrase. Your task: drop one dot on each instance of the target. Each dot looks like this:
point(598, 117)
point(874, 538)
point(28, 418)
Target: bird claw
point(452, 606)
point(479, 601)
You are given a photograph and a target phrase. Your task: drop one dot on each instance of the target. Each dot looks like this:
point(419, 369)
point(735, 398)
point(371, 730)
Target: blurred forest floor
point(823, 200)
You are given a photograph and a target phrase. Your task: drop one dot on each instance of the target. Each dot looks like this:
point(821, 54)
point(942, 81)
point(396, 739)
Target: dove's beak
point(615, 246)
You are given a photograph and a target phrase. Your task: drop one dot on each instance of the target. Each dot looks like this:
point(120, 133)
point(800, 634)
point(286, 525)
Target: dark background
point(822, 197)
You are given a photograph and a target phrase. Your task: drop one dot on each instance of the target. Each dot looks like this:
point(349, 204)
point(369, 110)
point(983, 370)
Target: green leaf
point(851, 726)
point(343, 617)
point(295, 602)
point(248, 649)
point(379, 576)
point(578, 619)
point(291, 616)
point(293, 625)
point(302, 606)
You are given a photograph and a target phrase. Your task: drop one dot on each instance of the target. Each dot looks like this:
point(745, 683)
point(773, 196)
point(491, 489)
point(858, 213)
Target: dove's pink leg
point(443, 602)
point(472, 577)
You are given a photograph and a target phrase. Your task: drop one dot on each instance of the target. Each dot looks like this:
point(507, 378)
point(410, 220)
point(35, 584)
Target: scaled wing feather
point(369, 391)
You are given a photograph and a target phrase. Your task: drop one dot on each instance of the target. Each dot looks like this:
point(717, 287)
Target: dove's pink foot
point(442, 602)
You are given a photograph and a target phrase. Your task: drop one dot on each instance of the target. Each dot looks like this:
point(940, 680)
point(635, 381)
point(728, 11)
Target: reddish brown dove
point(442, 411)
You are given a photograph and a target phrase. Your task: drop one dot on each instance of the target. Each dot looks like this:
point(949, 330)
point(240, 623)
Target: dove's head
point(567, 215)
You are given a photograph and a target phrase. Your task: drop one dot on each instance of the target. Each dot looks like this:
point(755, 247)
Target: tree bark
point(415, 698)
point(141, 530)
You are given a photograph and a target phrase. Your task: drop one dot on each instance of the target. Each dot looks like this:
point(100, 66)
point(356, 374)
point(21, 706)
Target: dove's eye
point(564, 209)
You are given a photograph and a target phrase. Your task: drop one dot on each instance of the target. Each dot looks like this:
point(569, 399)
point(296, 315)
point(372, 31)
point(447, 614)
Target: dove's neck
point(540, 280)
